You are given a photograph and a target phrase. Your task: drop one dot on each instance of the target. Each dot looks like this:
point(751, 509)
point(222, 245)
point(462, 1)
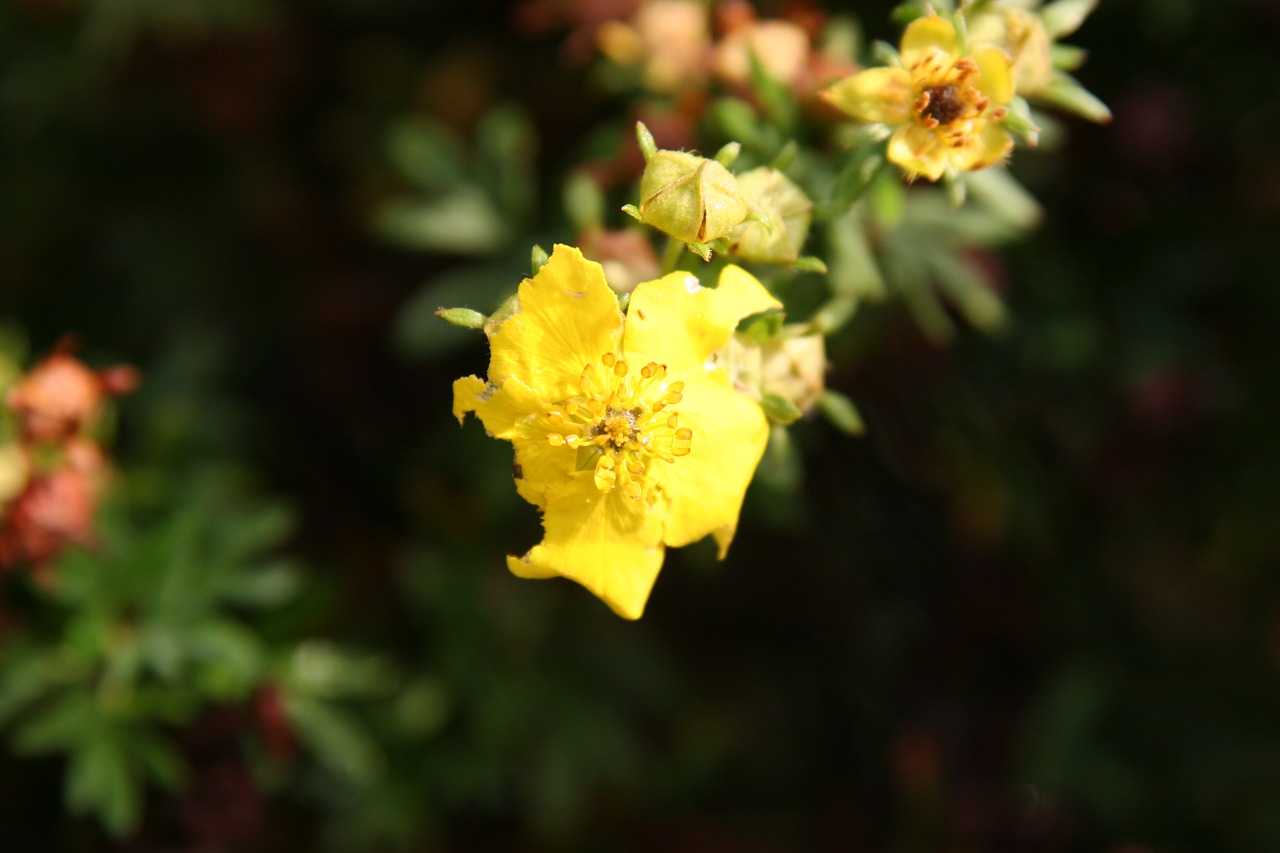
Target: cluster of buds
point(955, 93)
point(52, 468)
point(759, 216)
point(679, 46)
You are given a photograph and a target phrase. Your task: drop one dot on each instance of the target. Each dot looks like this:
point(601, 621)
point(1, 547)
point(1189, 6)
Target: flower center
point(948, 100)
point(620, 422)
point(942, 104)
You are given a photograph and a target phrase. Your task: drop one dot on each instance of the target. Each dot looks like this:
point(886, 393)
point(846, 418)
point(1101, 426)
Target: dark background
point(1036, 607)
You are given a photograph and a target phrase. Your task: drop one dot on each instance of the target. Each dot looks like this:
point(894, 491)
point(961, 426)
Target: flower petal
point(516, 413)
point(877, 94)
point(680, 323)
point(568, 317)
point(602, 540)
point(988, 148)
point(918, 151)
point(927, 34)
point(995, 77)
point(705, 488)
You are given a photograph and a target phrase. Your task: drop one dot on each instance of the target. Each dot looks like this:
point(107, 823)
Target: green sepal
point(538, 258)
point(647, 146)
point(780, 410)
point(763, 327)
point(464, 317)
point(842, 412)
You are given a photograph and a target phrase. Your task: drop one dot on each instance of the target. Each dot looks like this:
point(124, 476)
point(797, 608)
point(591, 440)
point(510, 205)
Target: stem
point(671, 256)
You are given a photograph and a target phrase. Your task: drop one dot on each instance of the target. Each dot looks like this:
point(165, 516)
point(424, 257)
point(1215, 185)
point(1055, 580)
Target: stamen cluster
point(620, 422)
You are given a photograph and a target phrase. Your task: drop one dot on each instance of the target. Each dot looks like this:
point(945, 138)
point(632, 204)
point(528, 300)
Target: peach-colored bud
point(60, 394)
point(781, 47)
point(795, 369)
point(626, 255)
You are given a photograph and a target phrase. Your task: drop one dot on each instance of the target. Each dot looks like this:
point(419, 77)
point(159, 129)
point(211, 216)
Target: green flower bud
point(693, 199)
point(787, 210)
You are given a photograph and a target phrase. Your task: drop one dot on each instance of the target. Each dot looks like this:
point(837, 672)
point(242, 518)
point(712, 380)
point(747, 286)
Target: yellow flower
point(627, 431)
point(945, 108)
point(1022, 35)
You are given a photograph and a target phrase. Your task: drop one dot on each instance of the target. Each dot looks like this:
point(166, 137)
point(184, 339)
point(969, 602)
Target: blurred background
point(1035, 607)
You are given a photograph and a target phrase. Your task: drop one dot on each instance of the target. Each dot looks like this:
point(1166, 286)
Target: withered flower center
point(943, 105)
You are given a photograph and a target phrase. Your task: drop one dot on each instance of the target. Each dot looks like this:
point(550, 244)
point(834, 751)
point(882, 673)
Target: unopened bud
point(693, 199)
point(788, 212)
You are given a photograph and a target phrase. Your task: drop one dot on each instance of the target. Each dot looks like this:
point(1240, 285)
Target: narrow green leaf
point(1064, 17)
point(780, 410)
point(1065, 93)
point(841, 412)
point(465, 318)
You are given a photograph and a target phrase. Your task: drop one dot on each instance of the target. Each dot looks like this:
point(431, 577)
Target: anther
point(555, 417)
point(680, 444)
point(620, 368)
point(673, 420)
point(605, 476)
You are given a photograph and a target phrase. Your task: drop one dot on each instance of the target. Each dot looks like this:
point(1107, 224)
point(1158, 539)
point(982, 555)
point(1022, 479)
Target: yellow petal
point(988, 148)
point(918, 151)
point(516, 413)
point(678, 322)
point(927, 34)
point(467, 394)
point(568, 317)
point(705, 488)
point(995, 79)
point(877, 94)
point(602, 540)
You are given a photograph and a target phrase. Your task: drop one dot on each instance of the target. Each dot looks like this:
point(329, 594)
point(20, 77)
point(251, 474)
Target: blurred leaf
point(842, 412)
point(341, 744)
point(99, 781)
point(463, 222)
point(1064, 17)
point(427, 152)
point(780, 409)
point(1064, 92)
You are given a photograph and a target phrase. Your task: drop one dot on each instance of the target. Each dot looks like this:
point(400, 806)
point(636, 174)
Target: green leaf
point(854, 271)
point(781, 410)
point(464, 318)
point(269, 586)
point(776, 100)
point(841, 412)
point(645, 140)
point(855, 178)
point(968, 290)
point(887, 197)
point(1064, 92)
point(507, 148)
point(338, 741)
point(1064, 17)
point(256, 529)
point(583, 201)
point(99, 781)
point(427, 152)
point(538, 259)
point(1068, 57)
point(230, 658)
point(728, 153)
point(762, 328)
point(418, 332)
point(464, 222)
point(998, 191)
point(71, 720)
